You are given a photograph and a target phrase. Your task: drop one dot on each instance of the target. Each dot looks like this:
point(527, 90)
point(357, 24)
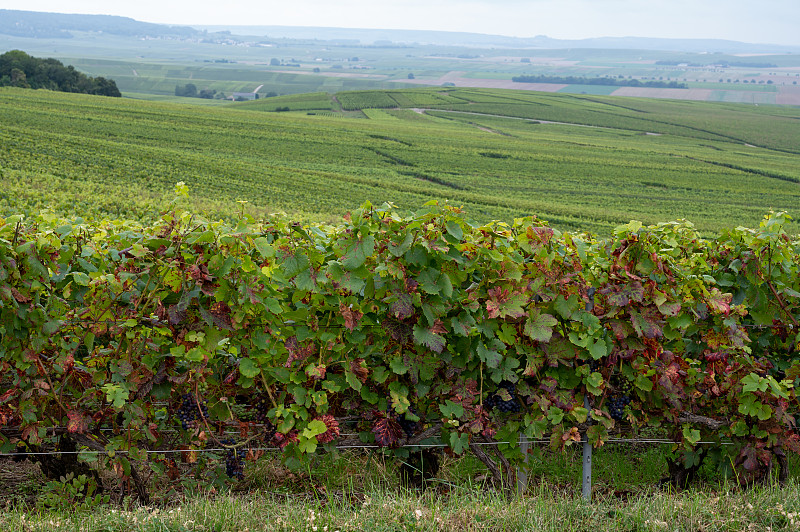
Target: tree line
point(614, 82)
point(18, 69)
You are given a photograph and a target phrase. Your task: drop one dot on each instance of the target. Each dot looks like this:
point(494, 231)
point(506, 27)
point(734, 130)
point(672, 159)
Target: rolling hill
point(581, 162)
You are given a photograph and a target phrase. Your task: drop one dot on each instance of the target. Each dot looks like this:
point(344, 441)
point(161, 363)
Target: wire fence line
point(145, 321)
point(629, 441)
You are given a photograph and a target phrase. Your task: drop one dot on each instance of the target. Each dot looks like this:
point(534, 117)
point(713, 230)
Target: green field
point(95, 156)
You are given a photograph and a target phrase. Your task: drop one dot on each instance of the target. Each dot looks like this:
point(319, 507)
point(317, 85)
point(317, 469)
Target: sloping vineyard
point(132, 339)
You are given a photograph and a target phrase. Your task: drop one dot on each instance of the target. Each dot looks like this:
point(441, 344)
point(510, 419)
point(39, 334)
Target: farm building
point(244, 96)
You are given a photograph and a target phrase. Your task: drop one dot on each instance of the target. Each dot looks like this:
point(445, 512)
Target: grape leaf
point(490, 357)
point(539, 326)
point(645, 325)
point(78, 423)
point(357, 254)
point(429, 338)
point(620, 296)
point(387, 431)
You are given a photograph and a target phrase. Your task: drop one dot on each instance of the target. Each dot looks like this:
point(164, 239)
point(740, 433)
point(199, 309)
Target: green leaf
point(691, 435)
point(682, 321)
point(555, 415)
point(400, 249)
point(116, 394)
point(264, 248)
point(579, 414)
point(539, 326)
point(740, 429)
point(597, 348)
point(352, 380)
point(357, 254)
point(315, 428)
point(428, 338)
point(459, 442)
point(451, 410)
point(307, 446)
point(80, 278)
point(294, 264)
point(643, 383)
point(454, 230)
point(566, 307)
point(594, 383)
point(248, 368)
point(398, 366)
point(754, 383)
point(489, 357)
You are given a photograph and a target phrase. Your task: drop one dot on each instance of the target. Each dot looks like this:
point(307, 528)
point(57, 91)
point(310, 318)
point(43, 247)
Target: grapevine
point(407, 326)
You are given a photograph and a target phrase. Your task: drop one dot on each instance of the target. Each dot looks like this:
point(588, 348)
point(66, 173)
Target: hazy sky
point(762, 21)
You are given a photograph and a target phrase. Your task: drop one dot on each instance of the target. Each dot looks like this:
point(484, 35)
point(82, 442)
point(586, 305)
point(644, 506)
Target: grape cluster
point(234, 465)
point(617, 404)
point(594, 365)
point(261, 407)
point(408, 426)
point(188, 411)
point(495, 401)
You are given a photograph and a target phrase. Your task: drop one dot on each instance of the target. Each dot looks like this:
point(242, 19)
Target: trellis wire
point(522, 441)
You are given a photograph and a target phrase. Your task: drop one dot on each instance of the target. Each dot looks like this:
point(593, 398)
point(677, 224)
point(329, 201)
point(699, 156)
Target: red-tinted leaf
point(621, 329)
point(21, 298)
point(316, 372)
point(282, 440)
point(387, 431)
point(619, 296)
point(351, 316)
point(719, 302)
point(78, 423)
point(645, 324)
point(670, 309)
point(402, 308)
point(7, 395)
point(333, 429)
point(232, 377)
point(359, 368)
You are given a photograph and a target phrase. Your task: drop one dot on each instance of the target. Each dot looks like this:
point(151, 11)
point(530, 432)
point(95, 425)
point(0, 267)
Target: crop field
point(718, 165)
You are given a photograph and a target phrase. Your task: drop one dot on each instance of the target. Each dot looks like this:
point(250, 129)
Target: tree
point(22, 70)
point(411, 75)
point(189, 90)
point(275, 62)
point(105, 87)
point(19, 79)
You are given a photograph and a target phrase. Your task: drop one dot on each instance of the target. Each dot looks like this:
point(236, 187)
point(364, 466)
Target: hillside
point(718, 165)
point(38, 25)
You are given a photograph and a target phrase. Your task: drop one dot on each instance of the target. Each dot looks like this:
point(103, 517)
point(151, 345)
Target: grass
point(359, 492)
point(545, 509)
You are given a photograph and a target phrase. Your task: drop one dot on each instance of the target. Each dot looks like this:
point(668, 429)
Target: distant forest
point(37, 25)
point(18, 69)
point(723, 64)
point(614, 82)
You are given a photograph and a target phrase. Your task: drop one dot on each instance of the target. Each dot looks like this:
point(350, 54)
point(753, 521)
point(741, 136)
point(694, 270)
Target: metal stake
point(522, 473)
point(586, 476)
point(586, 484)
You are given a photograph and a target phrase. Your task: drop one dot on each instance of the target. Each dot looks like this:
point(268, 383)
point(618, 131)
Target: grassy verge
point(389, 510)
point(360, 491)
